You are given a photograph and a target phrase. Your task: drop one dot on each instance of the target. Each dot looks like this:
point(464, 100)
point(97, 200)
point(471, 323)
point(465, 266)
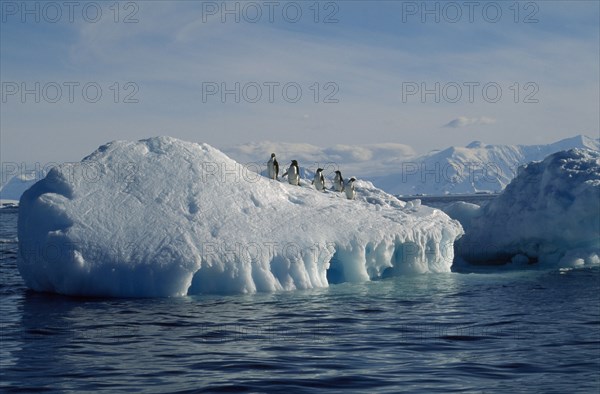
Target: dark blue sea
point(493, 330)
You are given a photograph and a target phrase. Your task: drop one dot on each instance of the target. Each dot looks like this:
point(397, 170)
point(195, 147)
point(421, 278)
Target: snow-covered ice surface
point(464, 212)
point(550, 213)
point(164, 217)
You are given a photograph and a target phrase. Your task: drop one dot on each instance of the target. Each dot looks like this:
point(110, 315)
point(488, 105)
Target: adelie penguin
point(293, 174)
point(350, 194)
point(338, 182)
point(273, 167)
point(319, 180)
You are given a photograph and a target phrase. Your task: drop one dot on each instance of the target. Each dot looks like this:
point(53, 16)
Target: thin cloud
point(463, 121)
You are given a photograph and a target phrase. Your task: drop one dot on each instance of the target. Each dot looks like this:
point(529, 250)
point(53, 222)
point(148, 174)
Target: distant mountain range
point(475, 168)
point(395, 168)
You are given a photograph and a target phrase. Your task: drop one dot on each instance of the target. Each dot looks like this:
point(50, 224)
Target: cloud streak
point(463, 121)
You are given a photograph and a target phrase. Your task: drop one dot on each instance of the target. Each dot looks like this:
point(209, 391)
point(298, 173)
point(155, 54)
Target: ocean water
point(495, 330)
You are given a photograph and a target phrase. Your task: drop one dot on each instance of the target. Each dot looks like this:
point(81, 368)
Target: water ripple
point(496, 332)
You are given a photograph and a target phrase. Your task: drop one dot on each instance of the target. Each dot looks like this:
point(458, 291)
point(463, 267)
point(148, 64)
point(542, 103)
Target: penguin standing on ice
point(338, 182)
point(350, 194)
point(319, 180)
point(273, 167)
point(293, 173)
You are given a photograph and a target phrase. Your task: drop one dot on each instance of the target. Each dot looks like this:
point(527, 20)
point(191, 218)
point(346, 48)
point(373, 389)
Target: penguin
point(273, 167)
point(350, 194)
point(319, 180)
point(293, 174)
point(338, 182)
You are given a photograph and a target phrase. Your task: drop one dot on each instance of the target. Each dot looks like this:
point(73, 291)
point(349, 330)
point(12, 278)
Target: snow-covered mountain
point(475, 168)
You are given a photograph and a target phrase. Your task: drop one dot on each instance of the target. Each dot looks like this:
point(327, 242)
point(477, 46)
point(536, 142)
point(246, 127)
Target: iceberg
point(162, 217)
point(550, 213)
point(16, 185)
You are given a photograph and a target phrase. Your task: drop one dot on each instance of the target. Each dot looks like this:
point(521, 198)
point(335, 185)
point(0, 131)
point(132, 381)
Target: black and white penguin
point(273, 167)
point(293, 173)
point(319, 180)
point(338, 182)
point(350, 194)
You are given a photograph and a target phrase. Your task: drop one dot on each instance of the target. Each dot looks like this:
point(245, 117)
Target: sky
point(424, 74)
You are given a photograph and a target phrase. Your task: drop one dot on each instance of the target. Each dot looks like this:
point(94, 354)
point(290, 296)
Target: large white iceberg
point(163, 217)
point(550, 213)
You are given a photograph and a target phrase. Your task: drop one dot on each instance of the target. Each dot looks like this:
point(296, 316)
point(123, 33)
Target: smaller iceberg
point(550, 213)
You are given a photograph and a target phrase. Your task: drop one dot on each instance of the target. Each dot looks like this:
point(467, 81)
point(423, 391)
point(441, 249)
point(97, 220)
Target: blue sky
point(545, 60)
